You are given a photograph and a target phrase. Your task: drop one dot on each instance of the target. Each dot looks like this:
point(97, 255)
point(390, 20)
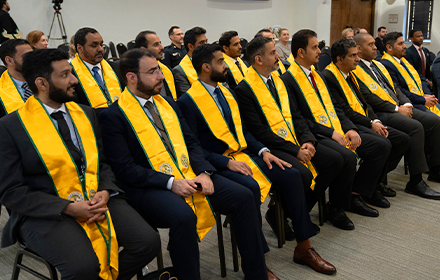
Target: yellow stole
point(159, 157)
point(218, 126)
point(324, 113)
point(291, 59)
point(411, 78)
point(93, 91)
point(350, 96)
point(236, 73)
point(10, 97)
point(68, 181)
point(188, 69)
point(279, 119)
point(371, 84)
point(169, 79)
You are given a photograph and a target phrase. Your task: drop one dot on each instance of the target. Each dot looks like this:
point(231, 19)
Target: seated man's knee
point(87, 268)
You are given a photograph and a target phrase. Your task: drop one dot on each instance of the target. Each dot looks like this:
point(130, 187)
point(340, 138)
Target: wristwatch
point(208, 173)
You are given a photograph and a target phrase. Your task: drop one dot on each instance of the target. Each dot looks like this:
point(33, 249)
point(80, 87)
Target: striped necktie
point(27, 91)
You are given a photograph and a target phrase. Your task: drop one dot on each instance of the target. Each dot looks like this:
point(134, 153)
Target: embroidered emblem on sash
point(75, 197)
point(166, 168)
point(115, 98)
point(323, 119)
point(92, 194)
point(414, 89)
point(373, 86)
point(282, 132)
point(184, 161)
point(332, 115)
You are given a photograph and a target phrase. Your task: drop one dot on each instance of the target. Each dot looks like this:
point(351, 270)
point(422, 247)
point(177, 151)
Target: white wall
point(386, 7)
point(120, 21)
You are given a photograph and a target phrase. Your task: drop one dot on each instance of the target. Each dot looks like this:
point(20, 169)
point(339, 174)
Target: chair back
point(324, 61)
point(106, 51)
point(112, 49)
point(131, 44)
point(121, 49)
point(64, 47)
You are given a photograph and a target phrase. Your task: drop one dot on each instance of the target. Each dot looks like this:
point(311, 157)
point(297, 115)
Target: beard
point(219, 77)
point(17, 67)
point(147, 90)
point(59, 95)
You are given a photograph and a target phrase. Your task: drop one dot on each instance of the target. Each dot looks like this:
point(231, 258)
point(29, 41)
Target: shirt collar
point(398, 60)
point(368, 63)
point(265, 79)
point(51, 110)
point(233, 59)
point(307, 71)
point(209, 88)
point(417, 47)
point(143, 100)
point(18, 83)
point(90, 66)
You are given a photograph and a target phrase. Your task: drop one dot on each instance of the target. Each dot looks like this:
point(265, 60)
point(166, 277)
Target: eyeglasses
point(156, 72)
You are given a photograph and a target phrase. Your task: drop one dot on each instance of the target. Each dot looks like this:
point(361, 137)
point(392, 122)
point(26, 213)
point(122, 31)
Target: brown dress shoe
point(271, 275)
point(314, 260)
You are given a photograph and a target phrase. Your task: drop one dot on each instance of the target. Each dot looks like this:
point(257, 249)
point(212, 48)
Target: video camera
point(57, 4)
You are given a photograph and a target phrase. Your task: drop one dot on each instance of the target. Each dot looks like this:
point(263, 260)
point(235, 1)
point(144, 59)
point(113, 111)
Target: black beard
point(59, 95)
point(150, 91)
point(219, 77)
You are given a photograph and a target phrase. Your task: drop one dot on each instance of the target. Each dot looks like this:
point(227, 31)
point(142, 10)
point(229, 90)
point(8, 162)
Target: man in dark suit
point(420, 58)
point(375, 136)
point(52, 213)
point(167, 182)
point(381, 32)
point(150, 41)
point(244, 165)
point(394, 109)
point(231, 48)
point(286, 133)
point(184, 73)
point(404, 79)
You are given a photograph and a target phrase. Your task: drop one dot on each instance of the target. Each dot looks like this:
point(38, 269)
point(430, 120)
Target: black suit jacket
point(126, 156)
point(254, 119)
point(339, 95)
point(379, 45)
point(213, 147)
point(316, 128)
point(414, 59)
point(26, 188)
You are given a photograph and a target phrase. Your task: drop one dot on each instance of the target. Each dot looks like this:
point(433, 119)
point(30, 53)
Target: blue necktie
point(224, 105)
point(100, 82)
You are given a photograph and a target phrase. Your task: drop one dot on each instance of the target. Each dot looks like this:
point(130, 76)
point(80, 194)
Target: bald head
point(361, 38)
point(366, 45)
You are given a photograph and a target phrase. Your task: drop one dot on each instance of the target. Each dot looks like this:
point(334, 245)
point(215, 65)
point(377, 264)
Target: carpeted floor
point(402, 243)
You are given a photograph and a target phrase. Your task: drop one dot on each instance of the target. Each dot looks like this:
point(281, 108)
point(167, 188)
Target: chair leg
point(159, 260)
point(234, 249)
point(405, 165)
point(221, 247)
point(279, 221)
point(18, 265)
point(322, 210)
point(17, 262)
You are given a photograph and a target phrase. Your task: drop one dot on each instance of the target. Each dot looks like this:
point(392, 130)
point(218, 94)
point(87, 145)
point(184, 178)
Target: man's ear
point(131, 77)
point(80, 48)
point(9, 61)
point(191, 47)
point(42, 84)
point(259, 60)
point(206, 67)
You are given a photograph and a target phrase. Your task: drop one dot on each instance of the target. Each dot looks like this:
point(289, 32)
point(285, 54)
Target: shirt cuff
point(113, 193)
point(408, 104)
point(170, 183)
point(376, 120)
point(265, 149)
point(396, 109)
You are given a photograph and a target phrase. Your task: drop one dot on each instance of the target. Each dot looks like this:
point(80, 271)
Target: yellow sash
point(159, 157)
point(188, 69)
point(93, 91)
point(169, 79)
point(10, 97)
point(291, 59)
point(412, 78)
point(279, 119)
point(69, 183)
point(350, 96)
point(234, 68)
point(324, 113)
point(218, 126)
point(371, 84)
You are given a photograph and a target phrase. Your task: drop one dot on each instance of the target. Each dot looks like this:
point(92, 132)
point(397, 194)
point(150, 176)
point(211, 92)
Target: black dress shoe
point(386, 191)
point(337, 217)
point(271, 220)
point(377, 200)
point(423, 190)
point(358, 206)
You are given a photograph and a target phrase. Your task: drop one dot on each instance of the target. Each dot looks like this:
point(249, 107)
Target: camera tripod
point(57, 14)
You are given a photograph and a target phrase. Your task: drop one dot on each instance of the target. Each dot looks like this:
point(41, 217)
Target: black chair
point(321, 44)
point(121, 49)
point(106, 51)
point(131, 44)
point(64, 47)
point(243, 43)
point(324, 61)
point(112, 49)
point(221, 247)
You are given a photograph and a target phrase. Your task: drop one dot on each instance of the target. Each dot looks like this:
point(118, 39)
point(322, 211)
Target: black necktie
point(383, 83)
point(224, 105)
point(273, 91)
point(159, 126)
point(239, 67)
point(64, 130)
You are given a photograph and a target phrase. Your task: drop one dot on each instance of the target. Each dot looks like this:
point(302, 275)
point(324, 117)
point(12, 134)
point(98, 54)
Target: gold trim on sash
point(169, 79)
point(412, 78)
point(10, 96)
point(279, 119)
point(158, 155)
point(350, 96)
point(236, 73)
point(218, 126)
point(188, 69)
point(291, 59)
point(92, 90)
point(67, 178)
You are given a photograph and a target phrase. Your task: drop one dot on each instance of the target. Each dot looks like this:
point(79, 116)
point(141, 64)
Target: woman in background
point(282, 48)
point(37, 39)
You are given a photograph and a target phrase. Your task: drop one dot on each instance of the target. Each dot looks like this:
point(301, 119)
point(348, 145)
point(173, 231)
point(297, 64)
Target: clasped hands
point(351, 138)
point(90, 210)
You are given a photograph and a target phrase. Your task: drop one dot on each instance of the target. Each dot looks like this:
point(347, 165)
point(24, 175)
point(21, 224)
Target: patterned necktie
point(100, 82)
point(383, 82)
point(239, 67)
point(27, 91)
point(159, 125)
point(423, 61)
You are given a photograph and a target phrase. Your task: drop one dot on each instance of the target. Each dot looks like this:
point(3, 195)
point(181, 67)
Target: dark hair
point(256, 47)
point(80, 36)
point(391, 38)
point(380, 28)
point(171, 31)
point(225, 39)
point(3, 2)
point(204, 54)
point(340, 48)
point(411, 33)
point(260, 33)
point(38, 63)
point(300, 40)
point(190, 36)
point(141, 39)
point(129, 62)
point(9, 48)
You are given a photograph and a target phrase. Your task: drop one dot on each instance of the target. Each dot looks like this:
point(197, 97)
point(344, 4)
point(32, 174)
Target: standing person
point(282, 47)
point(231, 48)
point(37, 39)
point(381, 32)
point(281, 67)
point(8, 28)
point(61, 193)
point(174, 53)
